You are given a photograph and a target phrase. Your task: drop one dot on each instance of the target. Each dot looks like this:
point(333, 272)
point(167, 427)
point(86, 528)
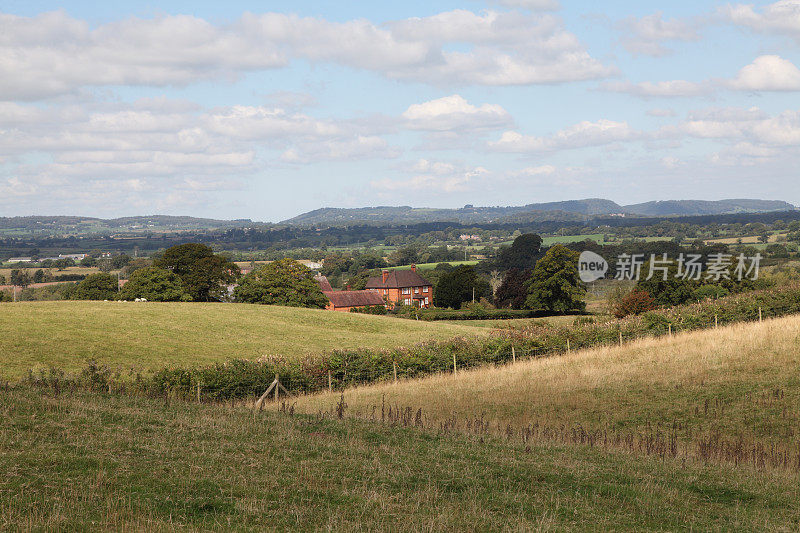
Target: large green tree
point(96, 287)
point(456, 286)
point(554, 284)
point(665, 286)
point(522, 254)
point(285, 282)
point(156, 285)
point(204, 274)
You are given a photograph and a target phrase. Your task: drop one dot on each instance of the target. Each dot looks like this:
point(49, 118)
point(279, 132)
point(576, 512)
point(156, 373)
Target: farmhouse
point(403, 287)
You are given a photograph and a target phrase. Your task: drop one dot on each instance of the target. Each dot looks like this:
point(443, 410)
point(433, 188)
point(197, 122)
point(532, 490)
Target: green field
point(566, 239)
point(83, 461)
point(148, 336)
point(431, 266)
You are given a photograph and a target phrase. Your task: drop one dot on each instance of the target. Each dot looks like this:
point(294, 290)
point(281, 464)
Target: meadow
point(720, 394)
point(74, 460)
point(149, 336)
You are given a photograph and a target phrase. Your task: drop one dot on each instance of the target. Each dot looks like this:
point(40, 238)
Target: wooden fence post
point(513, 355)
point(455, 368)
point(394, 368)
point(567, 345)
point(330, 382)
point(669, 329)
point(620, 337)
point(759, 313)
point(716, 321)
point(277, 383)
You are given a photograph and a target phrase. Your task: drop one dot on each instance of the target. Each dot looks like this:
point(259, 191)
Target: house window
point(426, 300)
point(406, 290)
point(424, 289)
point(416, 290)
point(385, 292)
point(407, 301)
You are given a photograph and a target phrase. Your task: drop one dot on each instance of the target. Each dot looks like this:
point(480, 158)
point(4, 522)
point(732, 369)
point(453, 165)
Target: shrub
point(634, 303)
point(96, 287)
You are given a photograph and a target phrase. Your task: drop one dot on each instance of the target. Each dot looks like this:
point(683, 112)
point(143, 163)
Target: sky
point(265, 110)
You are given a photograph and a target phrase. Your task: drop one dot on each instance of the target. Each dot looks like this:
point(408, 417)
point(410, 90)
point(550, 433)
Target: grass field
point(566, 239)
point(82, 461)
point(431, 266)
point(737, 384)
point(6, 272)
point(148, 336)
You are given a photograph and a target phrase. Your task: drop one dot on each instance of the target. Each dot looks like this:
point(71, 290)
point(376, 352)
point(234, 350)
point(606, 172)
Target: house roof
point(398, 279)
point(324, 284)
point(354, 298)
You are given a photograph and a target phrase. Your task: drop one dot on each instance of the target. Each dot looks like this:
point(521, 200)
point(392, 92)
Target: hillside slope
point(148, 336)
point(737, 382)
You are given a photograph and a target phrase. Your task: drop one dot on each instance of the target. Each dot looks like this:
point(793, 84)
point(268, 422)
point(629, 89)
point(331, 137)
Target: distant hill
point(703, 207)
point(570, 210)
point(83, 225)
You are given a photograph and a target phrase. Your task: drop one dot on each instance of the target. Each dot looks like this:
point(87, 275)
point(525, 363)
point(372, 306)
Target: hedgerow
point(343, 368)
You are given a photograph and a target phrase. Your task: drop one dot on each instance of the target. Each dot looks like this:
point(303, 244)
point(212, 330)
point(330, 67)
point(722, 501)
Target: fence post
point(513, 355)
point(567, 345)
point(277, 386)
point(669, 329)
point(716, 321)
point(394, 368)
point(455, 368)
point(759, 313)
point(620, 336)
point(198, 392)
point(330, 382)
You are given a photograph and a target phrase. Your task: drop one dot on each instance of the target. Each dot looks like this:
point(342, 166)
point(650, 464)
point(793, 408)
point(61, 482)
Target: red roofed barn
point(346, 300)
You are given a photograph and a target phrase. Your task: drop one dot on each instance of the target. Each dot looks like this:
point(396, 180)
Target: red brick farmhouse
point(403, 287)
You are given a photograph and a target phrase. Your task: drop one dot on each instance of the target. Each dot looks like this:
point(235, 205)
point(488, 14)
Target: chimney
point(385, 275)
point(413, 268)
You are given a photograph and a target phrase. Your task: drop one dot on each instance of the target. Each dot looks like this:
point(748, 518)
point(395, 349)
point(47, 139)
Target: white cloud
point(53, 54)
point(661, 112)
point(247, 122)
point(579, 135)
point(454, 113)
point(781, 17)
point(768, 73)
point(533, 5)
point(666, 89)
point(645, 35)
point(351, 148)
point(542, 170)
point(436, 176)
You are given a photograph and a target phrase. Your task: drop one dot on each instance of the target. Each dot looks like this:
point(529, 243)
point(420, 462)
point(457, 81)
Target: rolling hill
point(572, 210)
point(151, 336)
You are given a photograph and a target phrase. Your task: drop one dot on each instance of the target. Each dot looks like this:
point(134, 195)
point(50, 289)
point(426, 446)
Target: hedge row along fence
point(344, 368)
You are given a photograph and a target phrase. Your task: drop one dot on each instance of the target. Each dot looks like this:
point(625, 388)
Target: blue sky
point(265, 110)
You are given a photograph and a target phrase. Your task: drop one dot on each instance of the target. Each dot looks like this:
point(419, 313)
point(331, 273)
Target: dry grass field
point(738, 384)
point(149, 336)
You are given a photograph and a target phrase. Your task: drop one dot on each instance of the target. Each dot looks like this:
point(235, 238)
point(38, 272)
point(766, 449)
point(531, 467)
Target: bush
point(370, 310)
point(97, 287)
point(156, 285)
point(634, 303)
